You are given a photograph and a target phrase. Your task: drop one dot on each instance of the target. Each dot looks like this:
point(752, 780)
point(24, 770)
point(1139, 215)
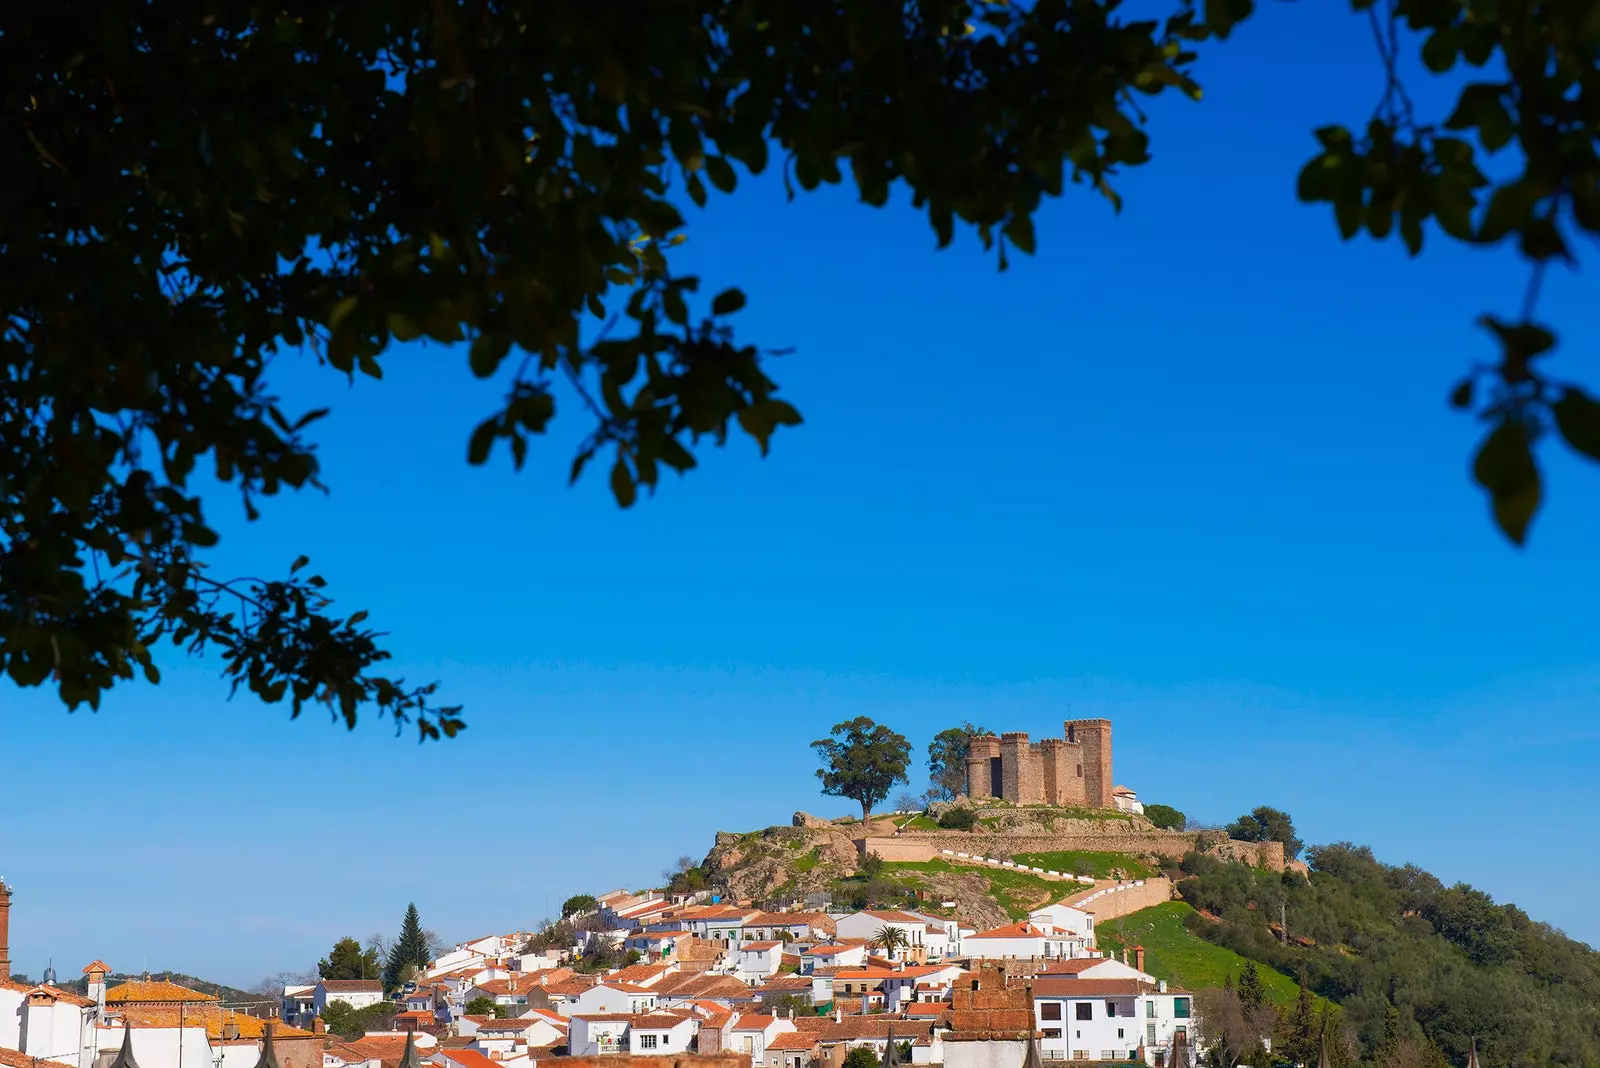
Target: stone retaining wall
point(1172, 845)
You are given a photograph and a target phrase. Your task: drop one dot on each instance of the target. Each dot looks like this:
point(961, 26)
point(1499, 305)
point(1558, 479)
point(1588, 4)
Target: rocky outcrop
point(806, 819)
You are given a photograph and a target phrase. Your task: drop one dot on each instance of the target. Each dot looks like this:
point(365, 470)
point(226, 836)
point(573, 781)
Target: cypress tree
point(409, 951)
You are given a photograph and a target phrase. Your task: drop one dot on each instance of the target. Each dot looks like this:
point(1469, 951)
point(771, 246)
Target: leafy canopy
point(862, 761)
point(1165, 816)
point(947, 759)
point(348, 960)
point(578, 903)
point(192, 192)
point(1267, 824)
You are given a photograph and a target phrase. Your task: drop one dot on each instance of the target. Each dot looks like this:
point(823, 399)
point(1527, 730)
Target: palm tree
point(890, 939)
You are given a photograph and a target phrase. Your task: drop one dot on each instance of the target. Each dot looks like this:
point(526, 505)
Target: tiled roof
point(211, 1017)
point(1011, 930)
point(97, 966)
point(353, 986)
point(700, 985)
point(753, 1022)
point(784, 983)
point(638, 973)
point(155, 990)
point(658, 1021)
point(851, 1027)
point(53, 991)
point(794, 1040)
point(14, 1059)
point(1088, 988)
point(927, 1008)
point(910, 971)
point(758, 947)
point(895, 917)
point(467, 1058)
point(1072, 966)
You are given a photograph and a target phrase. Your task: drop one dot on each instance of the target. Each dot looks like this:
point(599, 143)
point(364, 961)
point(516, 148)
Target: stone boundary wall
point(926, 845)
point(1113, 901)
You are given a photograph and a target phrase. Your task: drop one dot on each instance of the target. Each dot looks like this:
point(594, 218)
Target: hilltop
point(1402, 957)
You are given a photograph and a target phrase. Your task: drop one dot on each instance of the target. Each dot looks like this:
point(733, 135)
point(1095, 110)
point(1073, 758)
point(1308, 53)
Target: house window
point(1049, 1010)
point(1180, 1008)
point(1108, 1054)
point(1149, 1010)
point(1080, 1054)
point(1083, 1010)
point(1120, 1034)
point(1111, 1008)
point(1080, 771)
point(647, 1041)
point(749, 1043)
point(1150, 1034)
point(1052, 1032)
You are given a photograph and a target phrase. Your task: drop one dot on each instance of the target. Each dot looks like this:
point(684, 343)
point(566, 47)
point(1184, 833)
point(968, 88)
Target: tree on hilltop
point(408, 954)
point(1165, 817)
point(348, 960)
point(500, 177)
point(578, 903)
point(947, 759)
point(862, 761)
point(1266, 824)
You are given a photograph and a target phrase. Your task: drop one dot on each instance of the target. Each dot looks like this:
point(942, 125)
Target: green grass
point(810, 860)
point(1018, 892)
point(1183, 958)
point(1099, 865)
point(920, 823)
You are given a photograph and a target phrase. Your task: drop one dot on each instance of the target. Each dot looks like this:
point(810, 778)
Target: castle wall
point(1063, 773)
point(1094, 736)
point(980, 772)
point(1171, 845)
point(1023, 778)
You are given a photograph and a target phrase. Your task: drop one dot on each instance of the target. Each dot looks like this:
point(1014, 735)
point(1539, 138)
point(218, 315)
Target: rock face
point(806, 819)
point(782, 861)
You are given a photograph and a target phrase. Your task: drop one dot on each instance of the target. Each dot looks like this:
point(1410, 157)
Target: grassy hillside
point(1016, 892)
point(1082, 862)
point(1175, 953)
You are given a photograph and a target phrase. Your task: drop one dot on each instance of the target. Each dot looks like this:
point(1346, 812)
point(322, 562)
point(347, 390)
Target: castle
point(1074, 770)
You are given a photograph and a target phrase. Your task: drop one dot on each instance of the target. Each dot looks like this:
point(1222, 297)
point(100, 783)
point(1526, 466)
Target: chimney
point(96, 976)
point(317, 1026)
point(1138, 957)
point(5, 931)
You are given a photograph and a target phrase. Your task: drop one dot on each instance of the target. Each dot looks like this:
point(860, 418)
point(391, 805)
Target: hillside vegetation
point(1404, 955)
point(1177, 954)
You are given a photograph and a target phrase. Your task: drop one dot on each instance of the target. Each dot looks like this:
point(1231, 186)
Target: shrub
point(1165, 817)
point(959, 819)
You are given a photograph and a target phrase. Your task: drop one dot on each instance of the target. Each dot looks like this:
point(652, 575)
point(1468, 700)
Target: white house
point(503, 1036)
point(789, 926)
point(357, 993)
point(594, 1034)
point(1167, 1013)
point(1066, 918)
point(1095, 968)
point(749, 1033)
point(1024, 940)
point(832, 956)
point(895, 987)
point(610, 998)
point(868, 924)
point(754, 961)
point(1089, 1019)
point(48, 1023)
point(1126, 800)
point(661, 1033)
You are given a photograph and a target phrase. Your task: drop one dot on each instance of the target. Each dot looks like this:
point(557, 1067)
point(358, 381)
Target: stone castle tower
point(1073, 770)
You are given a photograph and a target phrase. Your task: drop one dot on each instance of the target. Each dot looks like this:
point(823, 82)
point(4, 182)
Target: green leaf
point(402, 327)
point(721, 173)
point(1505, 467)
point(482, 440)
point(622, 486)
point(340, 312)
point(1578, 418)
point(299, 562)
point(727, 302)
point(697, 190)
point(1439, 50)
point(486, 353)
point(1521, 341)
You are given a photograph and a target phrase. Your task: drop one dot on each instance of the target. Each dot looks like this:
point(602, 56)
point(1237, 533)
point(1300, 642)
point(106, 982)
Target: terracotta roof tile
point(155, 990)
point(1089, 988)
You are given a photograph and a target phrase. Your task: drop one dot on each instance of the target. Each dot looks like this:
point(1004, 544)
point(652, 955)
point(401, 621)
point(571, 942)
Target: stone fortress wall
point(1072, 771)
point(1169, 845)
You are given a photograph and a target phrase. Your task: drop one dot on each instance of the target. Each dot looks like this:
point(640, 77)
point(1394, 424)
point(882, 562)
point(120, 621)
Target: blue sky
point(1189, 468)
